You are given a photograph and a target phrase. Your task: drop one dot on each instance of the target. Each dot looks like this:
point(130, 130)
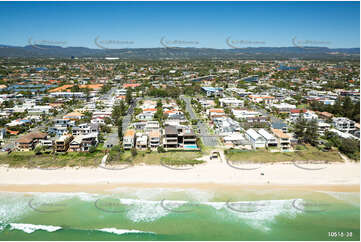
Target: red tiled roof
point(131, 85)
point(298, 110)
point(150, 109)
point(14, 132)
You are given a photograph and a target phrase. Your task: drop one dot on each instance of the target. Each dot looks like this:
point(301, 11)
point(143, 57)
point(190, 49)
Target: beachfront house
point(83, 142)
point(141, 141)
point(29, 141)
point(256, 140)
point(271, 141)
point(129, 139)
point(63, 142)
point(284, 140)
point(179, 137)
point(154, 139)
point(170, 137)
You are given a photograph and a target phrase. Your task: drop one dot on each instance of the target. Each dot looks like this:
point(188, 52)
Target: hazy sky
point(183, 24)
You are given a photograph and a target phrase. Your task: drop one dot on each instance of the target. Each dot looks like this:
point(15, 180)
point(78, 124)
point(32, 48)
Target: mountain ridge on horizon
point(29, 51)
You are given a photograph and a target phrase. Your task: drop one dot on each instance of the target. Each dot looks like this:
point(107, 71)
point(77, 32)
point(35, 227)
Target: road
point(127, 118)
point(189, 108)
point(207, 139)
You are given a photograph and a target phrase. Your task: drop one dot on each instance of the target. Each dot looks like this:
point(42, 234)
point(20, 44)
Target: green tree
point(347, 107)
point(92, 149)
point(120, 130)
point(75, 88)
point(356, 112)
point(299, 127)
point(337, 107)
point(128, 97)
point(160, 149)
point(311, 132)
point(38, 149)
point(133, 151)
point(351, 148)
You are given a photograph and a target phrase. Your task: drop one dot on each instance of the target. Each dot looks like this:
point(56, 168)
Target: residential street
point(207, 139)
point(128, 117)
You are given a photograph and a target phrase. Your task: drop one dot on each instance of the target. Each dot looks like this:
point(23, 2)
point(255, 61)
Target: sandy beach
point(336, 176)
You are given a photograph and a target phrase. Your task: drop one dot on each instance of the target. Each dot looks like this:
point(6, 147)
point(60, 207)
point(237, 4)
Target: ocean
point(181, 214)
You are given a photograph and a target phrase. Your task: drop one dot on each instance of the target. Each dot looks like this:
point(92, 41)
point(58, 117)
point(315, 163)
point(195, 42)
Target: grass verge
point(308, 154)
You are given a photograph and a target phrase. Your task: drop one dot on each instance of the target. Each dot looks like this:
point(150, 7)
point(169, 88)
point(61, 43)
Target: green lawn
point(308, 154)
point(70, 159)
point(302, 106)
point(78, 159)
point(155, 158)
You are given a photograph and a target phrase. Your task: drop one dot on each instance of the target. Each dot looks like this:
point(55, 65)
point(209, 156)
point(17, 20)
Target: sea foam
point(30, 228)
point(123, 231)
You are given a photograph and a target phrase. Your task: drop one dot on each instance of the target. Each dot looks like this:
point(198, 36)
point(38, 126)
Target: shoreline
point(333, 177)
point(111, 188)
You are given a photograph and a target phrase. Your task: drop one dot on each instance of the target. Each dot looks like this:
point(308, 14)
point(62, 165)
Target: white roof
point(234, 136)
point(253, 134)
point(265, 134)
point(323, 124)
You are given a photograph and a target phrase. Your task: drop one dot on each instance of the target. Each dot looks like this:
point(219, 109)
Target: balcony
point(171, 142)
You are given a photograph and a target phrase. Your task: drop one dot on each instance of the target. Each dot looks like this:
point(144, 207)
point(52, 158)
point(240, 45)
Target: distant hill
point(268, 53)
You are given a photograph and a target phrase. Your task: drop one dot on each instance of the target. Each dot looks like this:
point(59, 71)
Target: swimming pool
point(190, 146)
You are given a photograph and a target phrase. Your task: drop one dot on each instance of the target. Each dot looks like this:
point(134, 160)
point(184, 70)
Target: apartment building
point(58, 130)
point(64, 122)
point(344, 124)
point(179, 137)
point(170, 139)
point(85, 128)
point(83, 142)
point(323, 127)
point(29, 141)
point(189, 139)
point(48, 144)
point(62, 143)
